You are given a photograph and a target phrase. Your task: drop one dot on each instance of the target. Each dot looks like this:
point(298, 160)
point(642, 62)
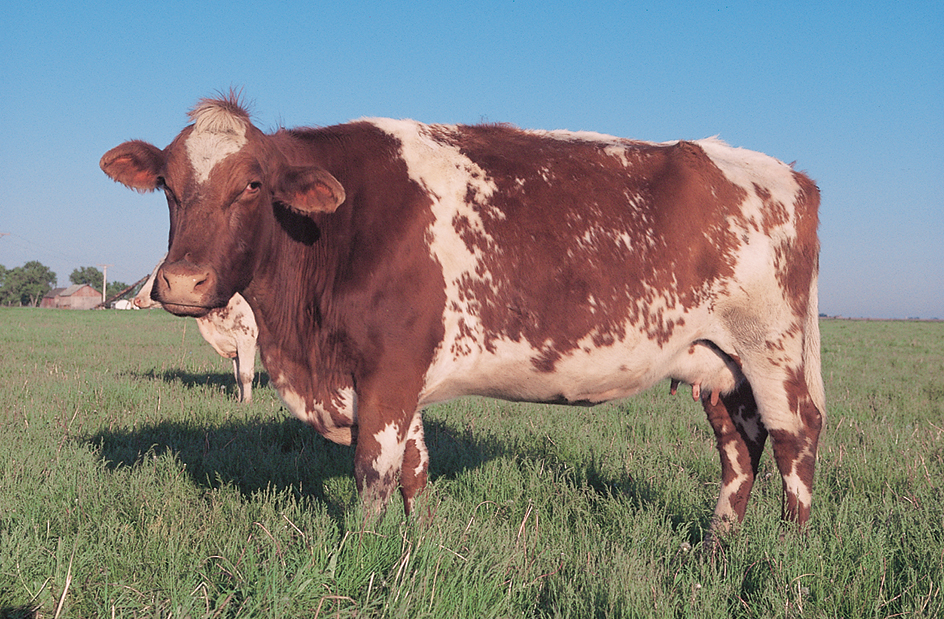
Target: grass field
point(133, 485)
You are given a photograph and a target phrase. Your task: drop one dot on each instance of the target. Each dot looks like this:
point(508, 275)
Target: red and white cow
point(230, 330)
point(392, 264)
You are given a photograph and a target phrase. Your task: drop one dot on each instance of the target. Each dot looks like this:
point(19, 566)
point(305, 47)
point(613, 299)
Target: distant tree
point(93, 277)
point(114, 288)
point(87, 275)
point(3, 277)
point(4, 293)
point(27, 284)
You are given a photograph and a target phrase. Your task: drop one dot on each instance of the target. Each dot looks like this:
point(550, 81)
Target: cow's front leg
point(244, 378)
point(413, 472)
point(377, 460)
point(385, 432)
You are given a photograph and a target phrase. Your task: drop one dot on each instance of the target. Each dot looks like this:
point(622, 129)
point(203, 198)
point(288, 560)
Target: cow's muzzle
point(186, 289)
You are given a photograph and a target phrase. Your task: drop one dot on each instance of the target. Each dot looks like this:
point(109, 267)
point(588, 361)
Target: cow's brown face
point(216, 200)
point(221, 178)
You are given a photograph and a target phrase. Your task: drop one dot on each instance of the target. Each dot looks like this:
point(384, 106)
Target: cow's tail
point(813, 370)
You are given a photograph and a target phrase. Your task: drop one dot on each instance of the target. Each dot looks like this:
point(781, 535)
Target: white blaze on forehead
point(217, 134)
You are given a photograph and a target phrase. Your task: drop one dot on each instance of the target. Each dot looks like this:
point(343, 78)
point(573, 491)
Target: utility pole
point(104, 279)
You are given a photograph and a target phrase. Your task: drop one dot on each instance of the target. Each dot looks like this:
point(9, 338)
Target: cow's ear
point(134, 164)
point(309, 190)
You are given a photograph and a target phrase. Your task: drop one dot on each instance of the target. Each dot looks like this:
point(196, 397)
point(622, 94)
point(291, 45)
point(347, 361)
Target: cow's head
point(221, 176)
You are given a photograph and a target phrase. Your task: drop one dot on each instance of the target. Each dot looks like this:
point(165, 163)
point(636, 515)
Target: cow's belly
point(587, 374)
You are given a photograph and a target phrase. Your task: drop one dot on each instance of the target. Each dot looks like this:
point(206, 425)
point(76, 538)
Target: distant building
point(77, 296)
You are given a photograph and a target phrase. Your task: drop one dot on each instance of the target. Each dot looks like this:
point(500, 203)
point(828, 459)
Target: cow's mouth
point(195, 311)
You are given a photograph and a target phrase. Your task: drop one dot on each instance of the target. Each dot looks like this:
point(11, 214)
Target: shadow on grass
point(217, 381)
point(18, 612)
point(286, 455)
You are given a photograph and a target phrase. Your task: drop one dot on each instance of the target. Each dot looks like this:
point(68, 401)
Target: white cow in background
point(230, 330)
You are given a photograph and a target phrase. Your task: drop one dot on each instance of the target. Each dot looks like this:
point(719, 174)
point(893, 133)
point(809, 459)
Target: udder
point(710, 371)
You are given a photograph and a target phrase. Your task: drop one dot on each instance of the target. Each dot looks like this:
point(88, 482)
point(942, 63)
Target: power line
point(23, 242)
point(44, 252)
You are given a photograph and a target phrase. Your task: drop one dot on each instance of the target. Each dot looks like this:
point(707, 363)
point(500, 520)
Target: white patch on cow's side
point(216, 135)
point(756, 264)
point(449, 178)
point(588, 373)
point(747, 169)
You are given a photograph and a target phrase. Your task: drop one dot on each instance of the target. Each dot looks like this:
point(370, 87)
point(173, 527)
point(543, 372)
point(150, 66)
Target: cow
point(392, 264)
point(231, 331)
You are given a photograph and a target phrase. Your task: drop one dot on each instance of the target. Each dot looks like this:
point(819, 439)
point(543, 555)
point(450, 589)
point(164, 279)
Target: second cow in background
point(230, 330)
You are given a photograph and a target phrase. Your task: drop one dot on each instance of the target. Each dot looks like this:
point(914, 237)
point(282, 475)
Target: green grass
point(133, 485)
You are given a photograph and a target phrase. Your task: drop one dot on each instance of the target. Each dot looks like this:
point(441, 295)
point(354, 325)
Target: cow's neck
point(301, 337)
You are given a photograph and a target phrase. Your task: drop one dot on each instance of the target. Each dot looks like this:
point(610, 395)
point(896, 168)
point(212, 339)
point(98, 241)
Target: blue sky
point(853, 92)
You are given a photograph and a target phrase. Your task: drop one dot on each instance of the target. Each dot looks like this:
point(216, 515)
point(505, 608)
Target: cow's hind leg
point(793, 422)
point(740, 437)
point(795, 449)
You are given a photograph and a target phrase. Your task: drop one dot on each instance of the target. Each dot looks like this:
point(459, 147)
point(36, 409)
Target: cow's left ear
point(309, 190)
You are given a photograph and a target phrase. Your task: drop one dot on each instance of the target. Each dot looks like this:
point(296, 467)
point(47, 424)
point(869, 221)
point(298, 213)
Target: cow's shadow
point(285, 455)
point(216, 381)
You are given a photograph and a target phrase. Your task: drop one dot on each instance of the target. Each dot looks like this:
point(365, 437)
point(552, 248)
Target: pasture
point(133, 485)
